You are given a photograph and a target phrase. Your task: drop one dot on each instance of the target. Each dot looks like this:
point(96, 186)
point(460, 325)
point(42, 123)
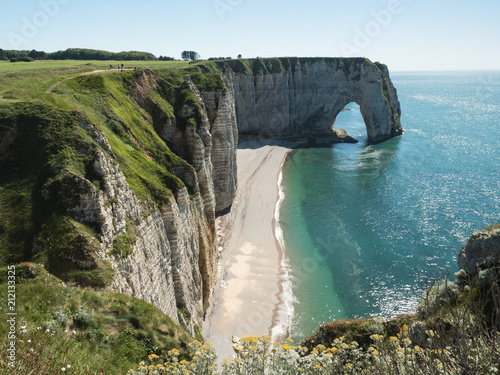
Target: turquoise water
point(366, 225)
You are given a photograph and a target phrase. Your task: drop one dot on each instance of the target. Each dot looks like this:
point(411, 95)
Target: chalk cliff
point(127, 188)
point(293, 97)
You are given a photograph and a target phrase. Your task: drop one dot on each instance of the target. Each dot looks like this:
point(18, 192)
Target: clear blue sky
point(404, 34)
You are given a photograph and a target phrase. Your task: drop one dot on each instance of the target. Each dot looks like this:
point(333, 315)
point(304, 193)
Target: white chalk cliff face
point(221, 112)
point(173, 260)
point(163, 267)
point(306, 98)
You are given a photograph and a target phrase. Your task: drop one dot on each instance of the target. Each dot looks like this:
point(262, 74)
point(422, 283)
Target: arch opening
point(351, 120)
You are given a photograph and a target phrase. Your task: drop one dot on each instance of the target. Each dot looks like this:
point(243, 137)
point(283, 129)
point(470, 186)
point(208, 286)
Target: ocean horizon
point(366, 227)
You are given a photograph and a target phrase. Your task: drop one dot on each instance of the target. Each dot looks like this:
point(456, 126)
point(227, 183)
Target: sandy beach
point(248, 298)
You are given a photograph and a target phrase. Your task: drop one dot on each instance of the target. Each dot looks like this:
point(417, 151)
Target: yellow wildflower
point(376, 337)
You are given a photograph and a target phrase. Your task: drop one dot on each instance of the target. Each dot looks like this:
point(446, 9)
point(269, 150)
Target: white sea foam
point(418, 131)
point(285, 313)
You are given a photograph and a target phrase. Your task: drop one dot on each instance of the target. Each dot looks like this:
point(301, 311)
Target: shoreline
point(250, 296)
point(284, 309)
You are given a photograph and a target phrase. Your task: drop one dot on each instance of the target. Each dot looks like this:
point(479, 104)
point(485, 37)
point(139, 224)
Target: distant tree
point(190, 55)
point(3, 55)
point(38, 55)
point(22, 58)
point(166, 58)
point(93, 54)
point(16, 54)
point(239, 56)
point(133, 55)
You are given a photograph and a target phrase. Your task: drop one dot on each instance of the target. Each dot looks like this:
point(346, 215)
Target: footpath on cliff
point(247, 298)
point(51, 88)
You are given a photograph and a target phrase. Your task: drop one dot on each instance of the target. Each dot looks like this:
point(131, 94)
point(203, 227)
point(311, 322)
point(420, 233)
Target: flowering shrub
point(203, 362)
point(477, 354)
point(392, 355)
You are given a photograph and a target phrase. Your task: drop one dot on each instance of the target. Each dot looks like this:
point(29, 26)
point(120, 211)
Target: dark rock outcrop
point(481, 251)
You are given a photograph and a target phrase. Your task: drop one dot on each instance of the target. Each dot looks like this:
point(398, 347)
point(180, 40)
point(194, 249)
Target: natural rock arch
point(304, 99)
point(374, 117)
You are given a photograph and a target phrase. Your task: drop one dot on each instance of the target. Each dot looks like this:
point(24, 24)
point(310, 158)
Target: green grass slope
point(45, 147)
point(59, 325)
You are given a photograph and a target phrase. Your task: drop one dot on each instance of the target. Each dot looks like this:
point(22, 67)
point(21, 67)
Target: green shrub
point(83, 318)
point(443, 293)
point(123, 244)
point(60, 318)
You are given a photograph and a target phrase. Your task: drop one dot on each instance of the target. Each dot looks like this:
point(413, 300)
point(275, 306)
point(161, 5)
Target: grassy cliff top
point(34, 78)
point(68, 325)
point(278, 64)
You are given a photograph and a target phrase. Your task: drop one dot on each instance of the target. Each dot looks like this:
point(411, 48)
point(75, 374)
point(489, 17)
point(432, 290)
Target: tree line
point(94, 54)
point(79, 54)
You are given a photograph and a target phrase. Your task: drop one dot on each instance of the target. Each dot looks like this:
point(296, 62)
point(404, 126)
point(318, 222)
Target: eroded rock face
point(146, 272)
point(481, 251)
point(221, 112)
point(172, 263)
point(179, 219)
point(306, 99)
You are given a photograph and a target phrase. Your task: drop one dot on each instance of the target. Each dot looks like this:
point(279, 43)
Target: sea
point(367, 227)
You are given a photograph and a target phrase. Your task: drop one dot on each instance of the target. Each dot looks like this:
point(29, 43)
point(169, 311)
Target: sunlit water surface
point(366, 225)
